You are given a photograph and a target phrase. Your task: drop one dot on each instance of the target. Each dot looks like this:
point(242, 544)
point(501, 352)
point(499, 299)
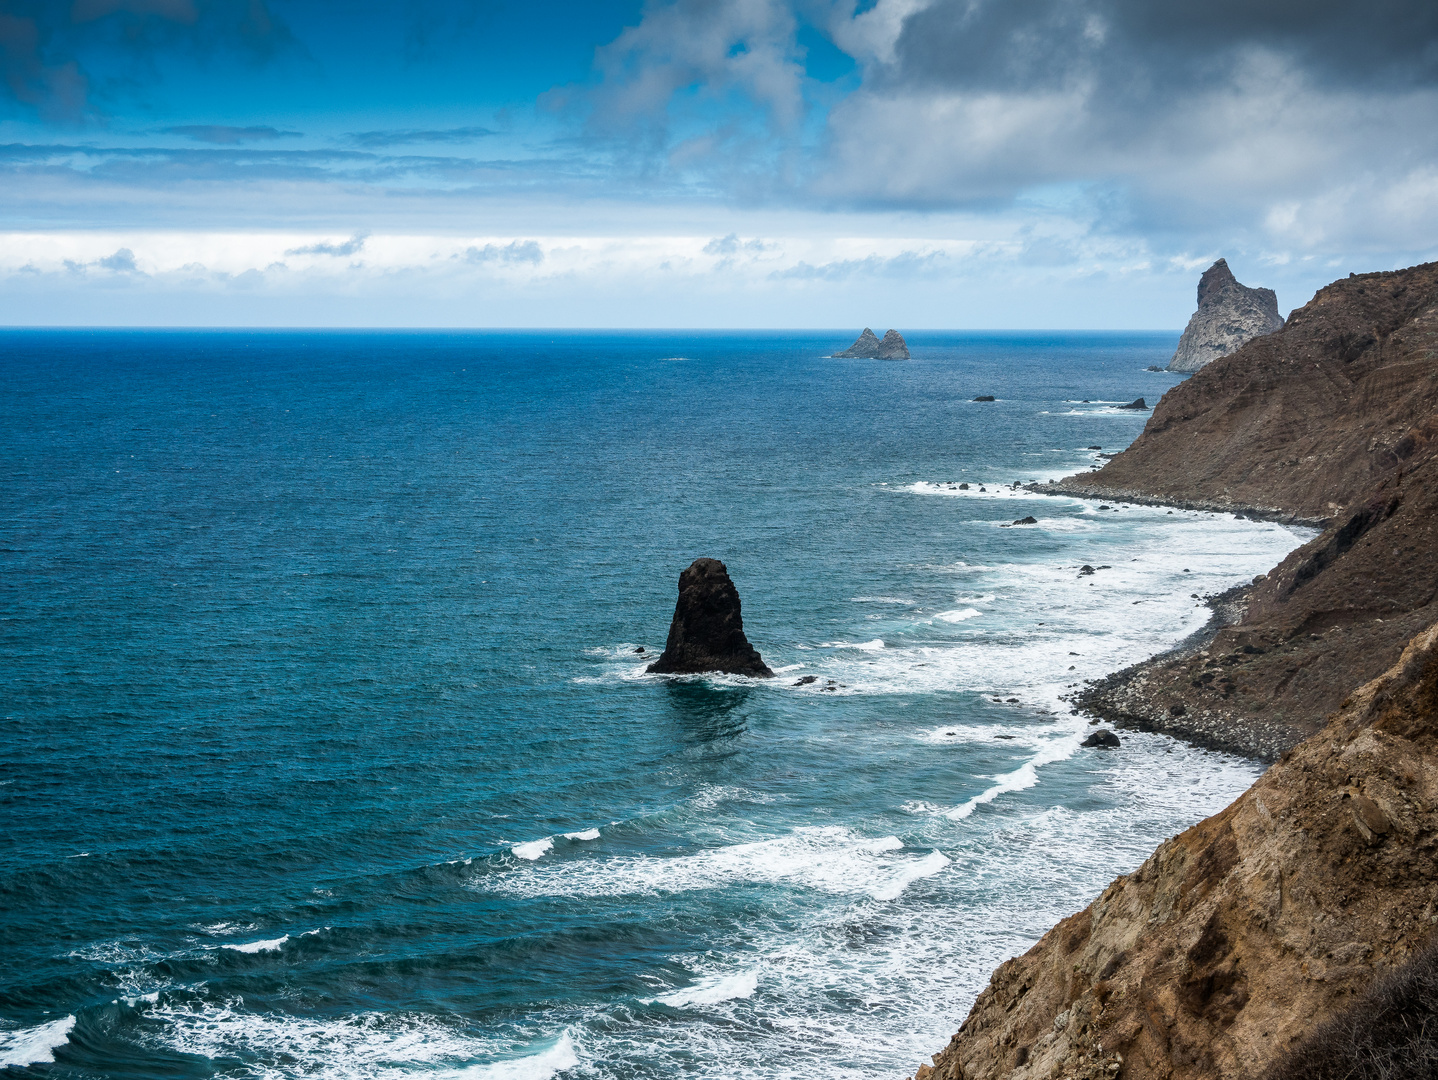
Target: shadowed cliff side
point(1219, 954)
point(1333, 419)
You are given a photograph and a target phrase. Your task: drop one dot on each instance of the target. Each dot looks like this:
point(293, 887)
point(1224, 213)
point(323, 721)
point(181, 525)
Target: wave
point(827, 858)
point(586, 834)
point(714, 989)
point(1025, 776)
point(959, 615)
point(36, 1045)
point(533, 849)
point(928, 866)
point(540, 1066)
point(272, 945)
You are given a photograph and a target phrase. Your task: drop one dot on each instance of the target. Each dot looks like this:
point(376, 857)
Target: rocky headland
point(707, 632)
point(868, 347)
point(1288, 936)
point(1229, 315)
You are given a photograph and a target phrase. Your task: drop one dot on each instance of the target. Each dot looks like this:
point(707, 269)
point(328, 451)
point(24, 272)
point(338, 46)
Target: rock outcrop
point(1238, 937)
point(1333, 420)
point(869, 347)
point(1229, 315)
point(707, 634)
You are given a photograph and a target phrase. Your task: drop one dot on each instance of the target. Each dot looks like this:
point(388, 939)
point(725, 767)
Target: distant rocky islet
point(869, 347)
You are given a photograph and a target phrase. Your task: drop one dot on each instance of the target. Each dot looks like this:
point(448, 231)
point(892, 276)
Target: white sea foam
point(35, 1045)
point(538, 1066)
point(533, 849)
point(928, 866)
point(586, 834)
point(376, 1046)
point(827, 858)
point(958, 615)
point(1025, 776)
point(272, 945)
point(714, 989)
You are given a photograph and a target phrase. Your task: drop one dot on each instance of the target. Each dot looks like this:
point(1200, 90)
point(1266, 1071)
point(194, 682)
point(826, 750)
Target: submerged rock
point(707, 634)
point(984, 397)
point(869, 347)
point(1228, 316)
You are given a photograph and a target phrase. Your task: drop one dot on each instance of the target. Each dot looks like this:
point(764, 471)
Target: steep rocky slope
point(1219, 954)
point(1229, 315)
point(1332, 420)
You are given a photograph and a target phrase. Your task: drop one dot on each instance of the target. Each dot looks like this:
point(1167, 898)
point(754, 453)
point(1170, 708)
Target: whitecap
point(540, 1066)
point(586, 834)
point(272, 945)
point(534, 849)
point(928, 866)
point(959, 615)
point(714, 989)
point(36, 1045)
point(1022, 778)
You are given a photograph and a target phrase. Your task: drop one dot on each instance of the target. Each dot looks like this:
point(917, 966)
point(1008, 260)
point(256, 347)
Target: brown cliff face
point(1334, 418)
point(1221, 952)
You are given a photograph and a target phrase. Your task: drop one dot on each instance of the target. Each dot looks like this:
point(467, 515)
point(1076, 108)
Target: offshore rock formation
point(707, 634)
point(1238, 937)
point(869, 347)
point(1334, 421)
point(1229, 315)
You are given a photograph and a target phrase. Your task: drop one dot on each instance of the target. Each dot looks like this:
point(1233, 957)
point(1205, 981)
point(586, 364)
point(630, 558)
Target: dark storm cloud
point(1142, 47)
point(402, 137)
point(221, 135)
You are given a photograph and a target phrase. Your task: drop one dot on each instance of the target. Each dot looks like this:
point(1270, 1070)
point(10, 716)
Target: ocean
point(327, 751)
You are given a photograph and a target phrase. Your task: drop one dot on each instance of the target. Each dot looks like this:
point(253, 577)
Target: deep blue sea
point(325, 750)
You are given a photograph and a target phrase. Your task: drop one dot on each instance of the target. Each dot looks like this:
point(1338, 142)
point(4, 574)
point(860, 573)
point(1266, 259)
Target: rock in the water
point(1030, 520)
point(707, 633)
point(806, 680)
point(1102, 737)
point(1228, 315)
point(869, 347)
point(1136, 403)
point(1084, 570)
point(984, 397)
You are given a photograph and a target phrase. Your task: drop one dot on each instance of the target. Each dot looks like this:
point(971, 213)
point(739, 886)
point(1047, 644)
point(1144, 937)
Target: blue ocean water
point(327, 751)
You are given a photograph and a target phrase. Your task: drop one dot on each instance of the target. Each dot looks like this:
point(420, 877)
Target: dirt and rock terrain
point(1293, 934)
point(1218, 955)
point(1332, 421)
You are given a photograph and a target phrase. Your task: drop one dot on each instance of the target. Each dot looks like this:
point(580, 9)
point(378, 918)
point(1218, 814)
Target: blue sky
point(758, 163)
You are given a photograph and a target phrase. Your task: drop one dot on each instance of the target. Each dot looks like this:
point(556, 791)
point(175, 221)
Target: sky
point(920, 164)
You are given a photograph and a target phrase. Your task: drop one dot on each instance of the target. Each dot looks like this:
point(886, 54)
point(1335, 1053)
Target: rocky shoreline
point(1259, 943)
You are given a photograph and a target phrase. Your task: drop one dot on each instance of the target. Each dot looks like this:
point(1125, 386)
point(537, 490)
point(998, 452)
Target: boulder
point(1030, 520)
point(1136, 403)
point(869, 347)
point(984, 397)
point(1228, 316)
point(1102, 737)
point(707, 634)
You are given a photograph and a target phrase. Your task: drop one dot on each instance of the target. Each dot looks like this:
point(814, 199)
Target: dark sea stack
point(893, 347)
point(1229, 316)
point(707, 634)
point(869, 347)
point(1137, 404)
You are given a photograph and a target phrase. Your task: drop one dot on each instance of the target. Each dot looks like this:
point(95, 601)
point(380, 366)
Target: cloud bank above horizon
point(690, 163)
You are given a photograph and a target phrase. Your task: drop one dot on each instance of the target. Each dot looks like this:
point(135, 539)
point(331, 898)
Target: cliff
point(1221, 953)
point(1229, 315)
point(1334, 420)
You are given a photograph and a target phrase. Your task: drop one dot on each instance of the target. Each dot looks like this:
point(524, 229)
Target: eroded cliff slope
point(1217, 955)
point(1334, 419)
